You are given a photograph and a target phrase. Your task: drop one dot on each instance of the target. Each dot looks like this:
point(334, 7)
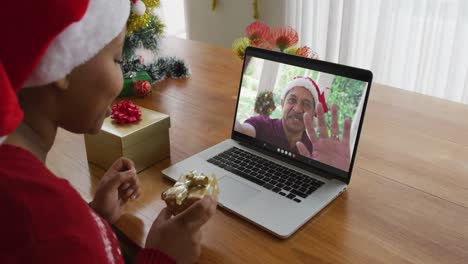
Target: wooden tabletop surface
point(408, 197)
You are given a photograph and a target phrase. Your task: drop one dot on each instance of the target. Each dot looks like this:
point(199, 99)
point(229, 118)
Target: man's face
point(298, 101)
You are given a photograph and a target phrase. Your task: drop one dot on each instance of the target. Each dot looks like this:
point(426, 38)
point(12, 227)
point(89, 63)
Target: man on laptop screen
point(302, 126)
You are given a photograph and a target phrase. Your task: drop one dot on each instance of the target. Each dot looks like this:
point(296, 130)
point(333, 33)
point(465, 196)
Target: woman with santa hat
point(59, 67)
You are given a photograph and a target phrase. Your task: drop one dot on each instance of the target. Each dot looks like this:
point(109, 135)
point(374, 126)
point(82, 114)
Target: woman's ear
point(62, 84)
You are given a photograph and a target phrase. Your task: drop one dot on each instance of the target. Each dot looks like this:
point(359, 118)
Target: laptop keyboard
point(279, 179)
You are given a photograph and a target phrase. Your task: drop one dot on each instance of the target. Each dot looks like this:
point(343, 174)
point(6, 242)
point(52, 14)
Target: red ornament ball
point(125, 112)
point(142, 88)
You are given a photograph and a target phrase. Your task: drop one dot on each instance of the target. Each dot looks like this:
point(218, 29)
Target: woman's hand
point(180, 236)
point(118, 185)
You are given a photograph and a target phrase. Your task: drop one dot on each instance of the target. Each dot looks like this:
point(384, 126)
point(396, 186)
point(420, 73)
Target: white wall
point(229, 20)
point(172, 13)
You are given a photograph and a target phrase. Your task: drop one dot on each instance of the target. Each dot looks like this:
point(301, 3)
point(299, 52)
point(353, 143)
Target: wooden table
point(408, 198)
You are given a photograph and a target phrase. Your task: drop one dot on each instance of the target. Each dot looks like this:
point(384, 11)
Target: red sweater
point(44, 220)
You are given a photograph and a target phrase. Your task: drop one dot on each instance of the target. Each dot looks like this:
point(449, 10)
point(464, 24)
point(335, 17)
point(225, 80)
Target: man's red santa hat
point(312, 87)
point(43, 41)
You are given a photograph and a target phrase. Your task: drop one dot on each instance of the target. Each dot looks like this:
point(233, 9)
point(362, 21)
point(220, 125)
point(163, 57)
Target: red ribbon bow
point(125, 112)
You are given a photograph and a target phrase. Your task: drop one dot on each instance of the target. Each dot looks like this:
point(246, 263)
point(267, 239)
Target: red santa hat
point(311, 86)
point(43, 41)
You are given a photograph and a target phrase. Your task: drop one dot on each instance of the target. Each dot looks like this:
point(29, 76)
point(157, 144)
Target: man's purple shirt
point(271, 131)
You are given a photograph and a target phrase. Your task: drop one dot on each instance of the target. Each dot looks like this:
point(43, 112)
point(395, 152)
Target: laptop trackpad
point(233, 191)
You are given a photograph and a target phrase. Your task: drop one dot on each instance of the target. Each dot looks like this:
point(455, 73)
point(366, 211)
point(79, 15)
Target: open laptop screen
point(303, 113)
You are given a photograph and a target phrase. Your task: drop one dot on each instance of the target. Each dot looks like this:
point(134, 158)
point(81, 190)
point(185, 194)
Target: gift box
point(129, 81)
point(188, 189)
point(145, 141)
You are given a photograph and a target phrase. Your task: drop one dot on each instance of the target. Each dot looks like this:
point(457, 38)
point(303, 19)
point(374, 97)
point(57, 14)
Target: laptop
point(280, 166)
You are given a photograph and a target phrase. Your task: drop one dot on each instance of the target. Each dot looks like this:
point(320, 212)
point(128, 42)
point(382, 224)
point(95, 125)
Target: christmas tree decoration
point(144, 32)
point(264, 103)
point(140, 20)
point(142, 88)
point(165, 67)
point(283, 39)
point(125, 112)
point(138, 7)
point(178, 68)
point(147, 38)
point(130, 78)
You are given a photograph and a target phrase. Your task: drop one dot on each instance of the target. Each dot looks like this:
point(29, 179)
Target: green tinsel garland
point(147, 38)
point(146, 32)
point(164, 67)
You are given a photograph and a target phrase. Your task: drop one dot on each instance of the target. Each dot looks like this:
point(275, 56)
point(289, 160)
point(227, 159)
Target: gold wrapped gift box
point(145, 141)
point(190, 188)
